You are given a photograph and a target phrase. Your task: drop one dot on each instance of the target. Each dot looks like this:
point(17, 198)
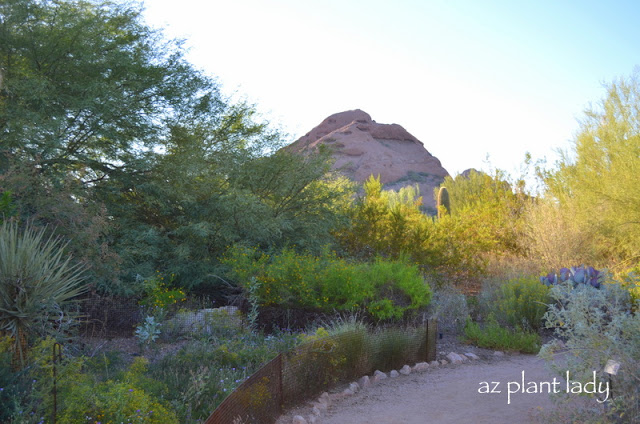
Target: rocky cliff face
point(362, 147)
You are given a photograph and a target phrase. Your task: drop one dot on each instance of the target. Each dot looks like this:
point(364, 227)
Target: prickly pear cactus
point(576, 275)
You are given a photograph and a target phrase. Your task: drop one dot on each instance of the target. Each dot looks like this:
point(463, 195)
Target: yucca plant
point(36, 280)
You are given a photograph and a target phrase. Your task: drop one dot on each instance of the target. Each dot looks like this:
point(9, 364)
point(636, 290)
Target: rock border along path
point(445, 391)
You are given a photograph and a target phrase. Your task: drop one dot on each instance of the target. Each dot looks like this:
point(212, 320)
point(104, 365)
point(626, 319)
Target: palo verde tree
point(598, 180)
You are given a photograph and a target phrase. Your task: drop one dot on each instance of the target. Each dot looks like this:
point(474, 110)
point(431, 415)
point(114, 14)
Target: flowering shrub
point(384, 288)
point(159, 295)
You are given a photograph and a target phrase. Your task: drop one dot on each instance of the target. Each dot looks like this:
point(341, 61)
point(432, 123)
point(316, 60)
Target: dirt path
point(450, 394)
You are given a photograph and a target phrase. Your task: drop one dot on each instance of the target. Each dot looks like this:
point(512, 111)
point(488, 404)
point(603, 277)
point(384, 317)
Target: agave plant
point(36, 281)
point(576, 275)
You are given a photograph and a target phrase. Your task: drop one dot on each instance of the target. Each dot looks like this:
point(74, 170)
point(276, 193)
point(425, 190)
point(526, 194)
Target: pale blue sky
point(468, 77)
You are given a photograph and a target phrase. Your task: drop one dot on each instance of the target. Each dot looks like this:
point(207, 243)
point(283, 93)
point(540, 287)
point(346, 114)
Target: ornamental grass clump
point(37, 281)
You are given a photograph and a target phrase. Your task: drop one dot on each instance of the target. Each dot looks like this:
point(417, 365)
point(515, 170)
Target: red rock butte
point(361, 147)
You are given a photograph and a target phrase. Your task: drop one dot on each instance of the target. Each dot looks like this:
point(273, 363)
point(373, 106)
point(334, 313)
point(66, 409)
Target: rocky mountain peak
point(362, 147)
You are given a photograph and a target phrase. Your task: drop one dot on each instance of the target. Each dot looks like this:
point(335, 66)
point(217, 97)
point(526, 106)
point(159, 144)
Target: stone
point(454, 358)
point(321, 406)
point(443, 362)
point(393, 374)
point(378, 375)
point(313, 419)
point(406, 370)
point(347, 392)
point(420, 366)
point(364, 382)
point(354, 387)
point(434, 364)
point(498, 353)
point(362, 147)
point(325, 398)
point(315, 411)
point(472, 356)
point(299, 420)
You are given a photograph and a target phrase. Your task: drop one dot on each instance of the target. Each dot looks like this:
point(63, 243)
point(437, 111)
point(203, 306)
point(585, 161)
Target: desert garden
point(159, 243)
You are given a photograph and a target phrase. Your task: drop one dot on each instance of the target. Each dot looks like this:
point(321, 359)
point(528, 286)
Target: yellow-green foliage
point(493, 336)
point(522, 302)
point(384, 288)
point(111, 401)
point(598, 180)
point(82, 399)
point(490, 206)
point(391, 224)
point(159, 294)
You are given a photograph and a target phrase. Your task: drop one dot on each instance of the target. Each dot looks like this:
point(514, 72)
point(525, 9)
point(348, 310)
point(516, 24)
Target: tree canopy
point(112, 139)
point(599, 179)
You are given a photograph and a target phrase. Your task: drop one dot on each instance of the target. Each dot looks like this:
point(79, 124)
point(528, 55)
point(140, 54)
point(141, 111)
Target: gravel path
point(449, 394)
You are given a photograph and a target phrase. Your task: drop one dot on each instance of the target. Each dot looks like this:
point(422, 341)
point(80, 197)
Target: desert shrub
point(598, 325)
point(14, 384)
point(204, 372)
point(522, 302)
point(392, 224)
point(129, 398)
point(450, 308)
point(37, 281)
point(492, 335)
point(125, 400)
point(159, 294)
point(383, 288)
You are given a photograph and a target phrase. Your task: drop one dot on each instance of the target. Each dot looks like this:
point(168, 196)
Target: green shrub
point(383, 288)
point(493, 336)
point(131, 398)
point(36, 281)
point(522, 302)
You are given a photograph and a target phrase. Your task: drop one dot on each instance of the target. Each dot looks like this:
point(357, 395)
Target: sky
point(472, 79)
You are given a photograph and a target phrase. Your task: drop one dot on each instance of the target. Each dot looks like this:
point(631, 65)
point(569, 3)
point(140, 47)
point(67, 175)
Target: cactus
point(577, 275)
point(443, 202)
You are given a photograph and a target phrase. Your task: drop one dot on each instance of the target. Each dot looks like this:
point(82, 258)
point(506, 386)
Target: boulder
point(420, 366)
point(406, 370)
point(454, 358)
point(472, 356)
point(364, 382)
